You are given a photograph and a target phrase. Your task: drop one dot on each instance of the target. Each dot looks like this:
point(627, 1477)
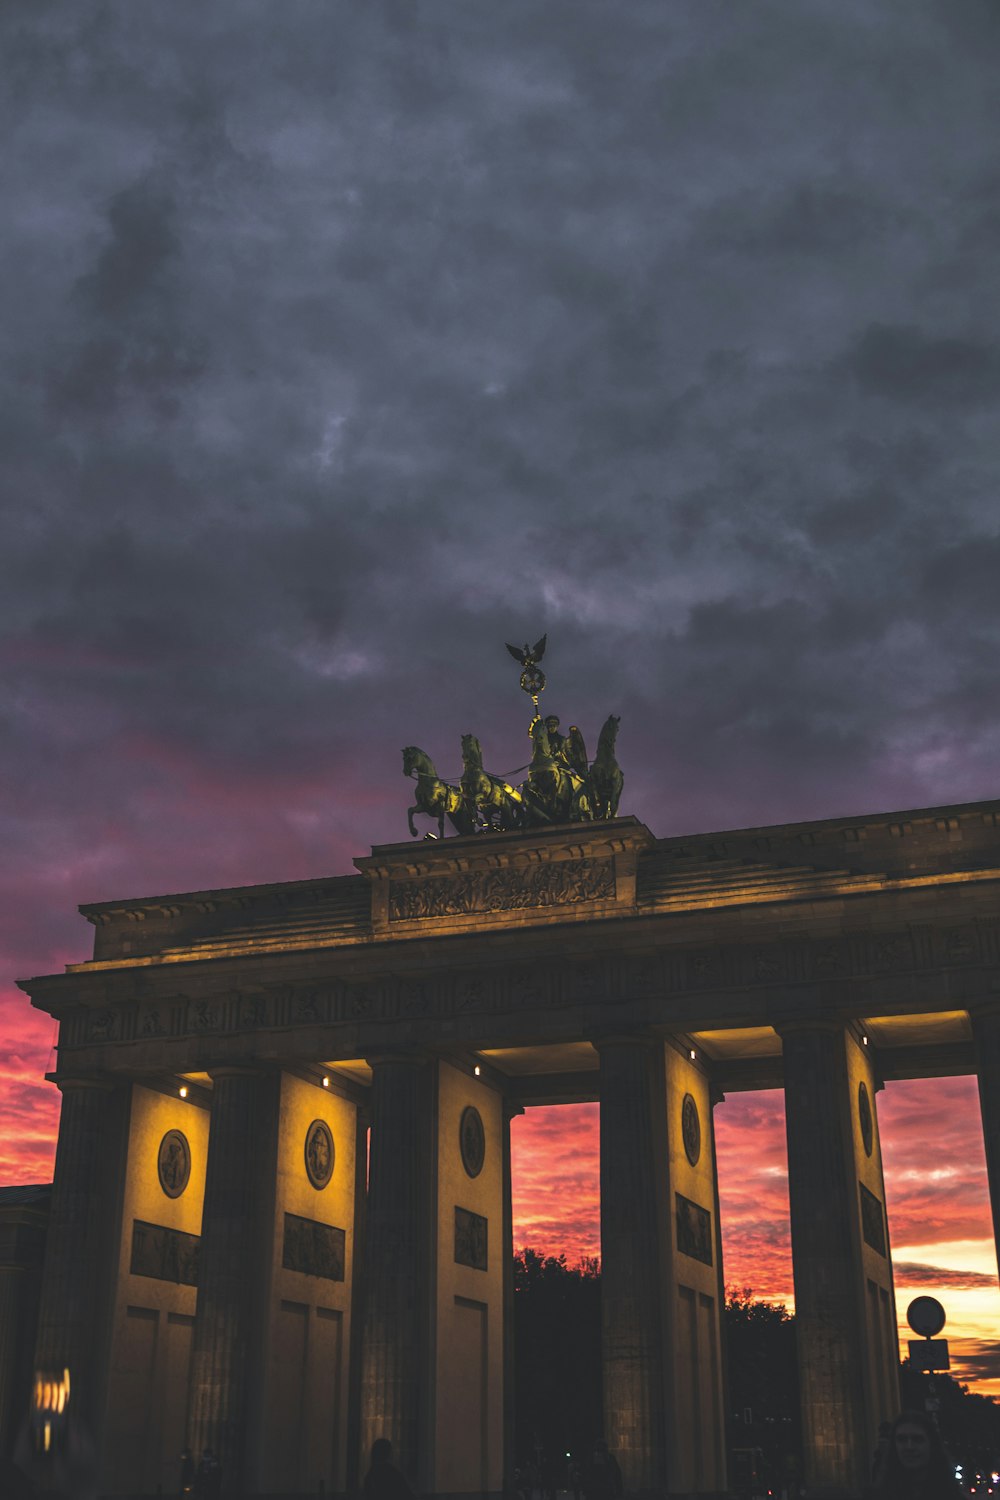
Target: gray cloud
point(346, 345)
point(912, 1274)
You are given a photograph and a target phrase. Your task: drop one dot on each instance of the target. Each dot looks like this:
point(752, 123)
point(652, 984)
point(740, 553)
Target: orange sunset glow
point(936, 1190)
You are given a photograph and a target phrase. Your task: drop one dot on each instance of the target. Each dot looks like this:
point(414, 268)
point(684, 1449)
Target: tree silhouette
point(557, 1355)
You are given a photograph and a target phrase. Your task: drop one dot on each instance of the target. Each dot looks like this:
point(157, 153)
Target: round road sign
point(925, 1316)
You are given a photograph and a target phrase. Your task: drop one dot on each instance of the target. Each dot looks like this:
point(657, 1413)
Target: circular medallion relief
point(691, 1129)
point(173, 1163)
point(319, 1153)
point(865, 1119)
point(472, 1140)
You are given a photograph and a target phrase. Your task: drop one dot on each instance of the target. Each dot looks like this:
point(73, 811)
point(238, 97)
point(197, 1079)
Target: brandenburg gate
point(221, 1269)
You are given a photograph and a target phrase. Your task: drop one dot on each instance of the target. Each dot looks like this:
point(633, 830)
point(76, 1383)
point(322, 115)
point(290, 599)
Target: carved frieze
point(471, 892)
point(309, 1005)
point(314, 1249)
point(471, 1233)
point(694, 1229)
point(206, 1016)
point(253, 1012)
point(872, 1220)
point(766, 964)
point(164, 1254)
point(584, 982)
point(705, 968)
point(830, 960)
point(103, 1025)
point(361, 1002)
point(471, 993)
point(527, 989)
point(890, 953)
point(414, 998)
point(642, 975)
point(962, 945)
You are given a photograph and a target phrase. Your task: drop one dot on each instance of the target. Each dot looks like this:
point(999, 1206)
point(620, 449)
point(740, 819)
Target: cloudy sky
point(343, 342)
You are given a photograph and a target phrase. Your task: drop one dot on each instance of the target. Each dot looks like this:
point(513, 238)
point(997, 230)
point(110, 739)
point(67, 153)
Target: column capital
point(795, 1025)
point(66, 1083)
point(612, 1037)
point(236, 1070)
point(388, 1056)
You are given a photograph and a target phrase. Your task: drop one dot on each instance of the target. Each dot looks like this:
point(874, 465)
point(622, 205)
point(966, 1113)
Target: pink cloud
point(29, 1107)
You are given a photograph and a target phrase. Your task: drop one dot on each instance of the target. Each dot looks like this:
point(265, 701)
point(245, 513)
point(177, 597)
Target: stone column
point(230, 1279)
point(69, 1334)
point(829, 1311)
point(11, 1279)
point(396, 1365)
point(355, 1457)
point(507, 1251)
point(633, 1271)
point(986, 1031)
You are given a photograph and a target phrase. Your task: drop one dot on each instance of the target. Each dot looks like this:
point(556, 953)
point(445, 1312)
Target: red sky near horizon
point(936, 1188)
point(937, 1199)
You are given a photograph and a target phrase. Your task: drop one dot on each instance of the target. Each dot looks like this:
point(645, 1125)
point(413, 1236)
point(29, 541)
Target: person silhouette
point(383, 1480)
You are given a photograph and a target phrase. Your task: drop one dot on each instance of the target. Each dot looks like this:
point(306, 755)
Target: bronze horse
point(500, 805)
point(437, 798)
point(606, 779)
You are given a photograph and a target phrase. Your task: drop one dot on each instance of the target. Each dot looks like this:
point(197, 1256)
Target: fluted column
point(230, 1280)
point(824, 1219)
point(507, 1251)
point(986, 1031)
point(68, 1331)
point(11, 1279)
point(395, 1354)
point(633, 1229)
point(355, 1457)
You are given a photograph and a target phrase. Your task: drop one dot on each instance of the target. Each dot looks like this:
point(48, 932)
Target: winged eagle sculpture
point(531, 655)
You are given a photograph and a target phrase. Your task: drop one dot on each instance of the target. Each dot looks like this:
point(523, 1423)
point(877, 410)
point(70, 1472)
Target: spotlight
point(864, 1041)
point(326, 1080)
point(183, 1091)
point(693, 1054)
point(476, 1070)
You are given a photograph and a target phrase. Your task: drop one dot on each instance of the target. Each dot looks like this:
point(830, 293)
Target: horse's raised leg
point(409, 817)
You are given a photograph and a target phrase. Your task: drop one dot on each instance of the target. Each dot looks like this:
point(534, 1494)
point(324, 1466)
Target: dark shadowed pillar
point(633, 1226)
point(76, 1260)
point(230, 1281)
point(396, 1363)
point(356, 1473)
point(986, 1030)
point(824, 1218)
point(507, 1251)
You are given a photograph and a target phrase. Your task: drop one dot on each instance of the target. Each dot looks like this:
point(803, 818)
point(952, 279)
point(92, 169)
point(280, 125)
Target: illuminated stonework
point(225, 1054)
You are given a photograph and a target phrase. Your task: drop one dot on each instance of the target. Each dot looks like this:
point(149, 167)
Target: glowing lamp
point(48, 1410)
point(183, 1091)
point(326, 1080)
point(476, 1070)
